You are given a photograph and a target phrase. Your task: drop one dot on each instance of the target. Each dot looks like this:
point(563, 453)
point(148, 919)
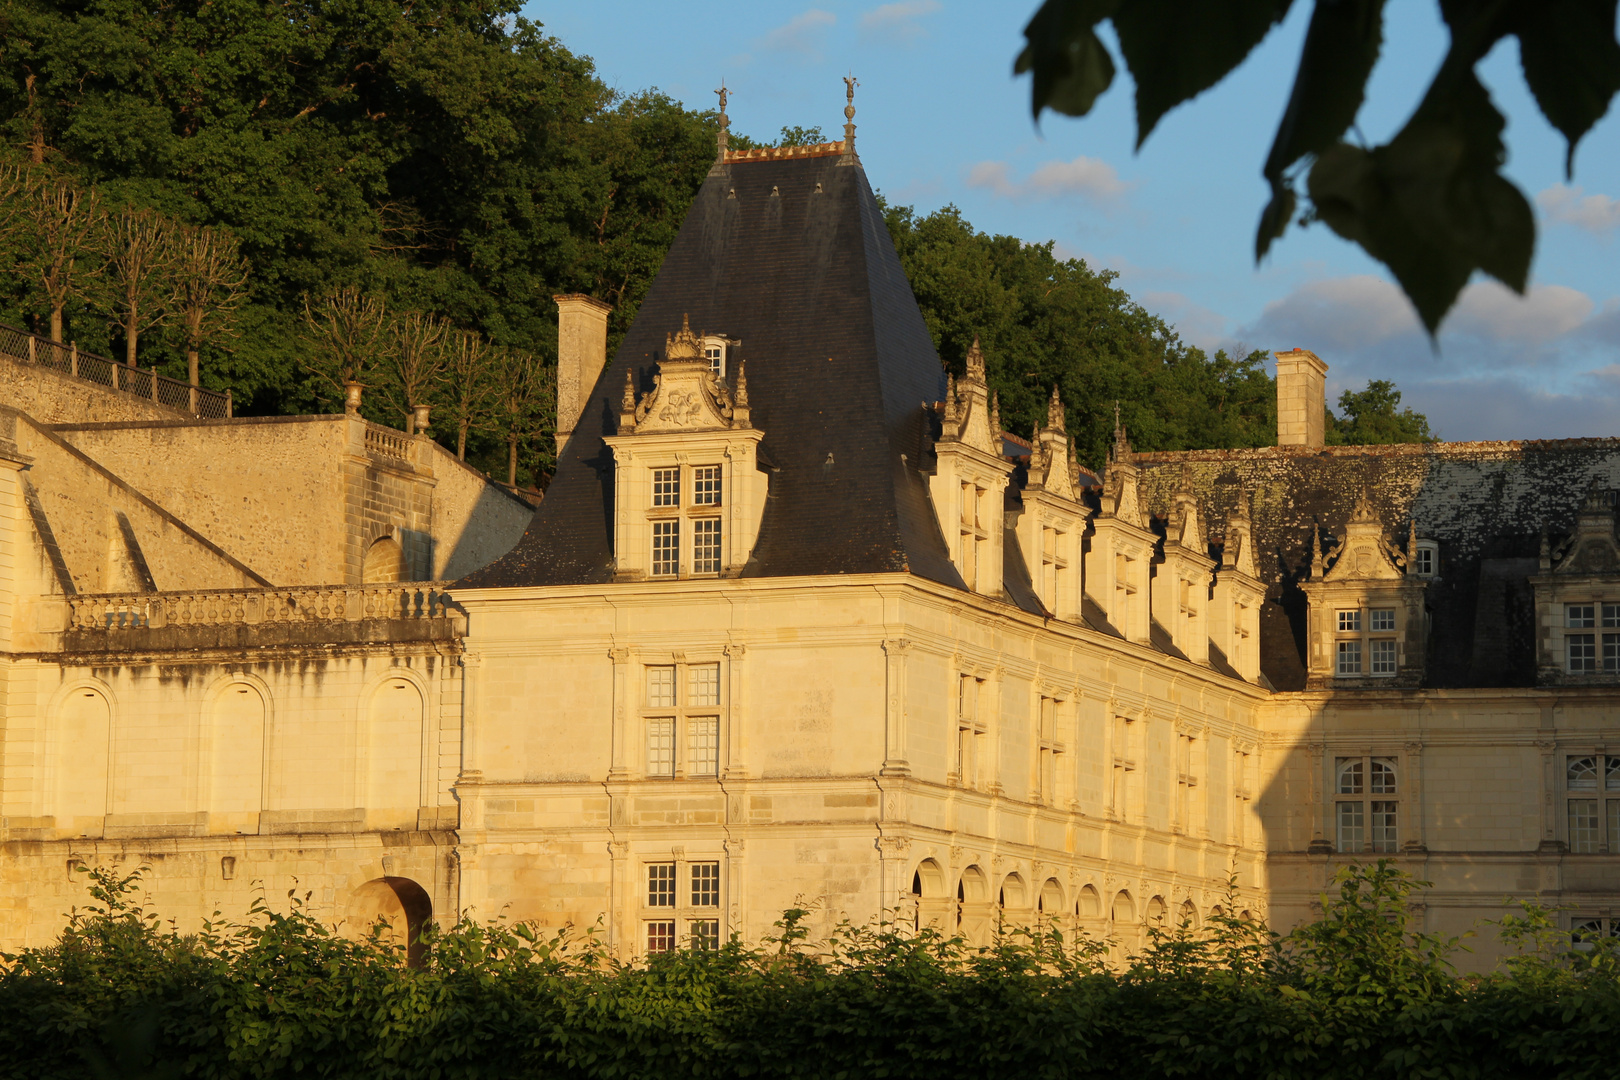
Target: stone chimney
point(581, 355)
point(1301, 398)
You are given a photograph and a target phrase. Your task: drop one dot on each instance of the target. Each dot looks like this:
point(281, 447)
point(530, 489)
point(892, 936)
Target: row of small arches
point(1012, 894)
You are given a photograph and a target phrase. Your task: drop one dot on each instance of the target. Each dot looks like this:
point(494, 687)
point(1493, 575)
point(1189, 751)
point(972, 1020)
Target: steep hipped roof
point(791, 257)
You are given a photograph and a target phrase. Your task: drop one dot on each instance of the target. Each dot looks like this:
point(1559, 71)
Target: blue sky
point(942, 120)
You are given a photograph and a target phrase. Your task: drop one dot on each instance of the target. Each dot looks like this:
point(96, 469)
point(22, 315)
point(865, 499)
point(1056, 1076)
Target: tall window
point(974, 537)
point(1366, 823)
point(1366, 642)
point(672, 553)
point(1054, 574)
point(678, 893)
point(970, 728)
point(1592, 783)
point(682, 739)
point(1591, 652)
point(1124, 767)
point(1048, 752)
point(1186, 780)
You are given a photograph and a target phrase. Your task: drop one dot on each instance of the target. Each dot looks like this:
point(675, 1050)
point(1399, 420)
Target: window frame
point(1370, 637)
point(1361, 795)
point(1601, 795)
point(705, 480)
point(683, 715)
point(664, 923)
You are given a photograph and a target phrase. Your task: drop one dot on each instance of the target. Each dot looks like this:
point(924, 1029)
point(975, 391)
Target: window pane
point(661, 747)
point(660, 937)
point(1611, 773)
point(1583, 825)
point(703, 746)
point(1352, 827)
point(706, 884)
point(1383, 826)
point(1582, 652)
point(1383, 658)
point(706, 486)
point(1425, 562)
point(716, 356)
point(1581, 774)
point(1613, 807)
point(666, 487)
point(706, 546)
point(661, 686)
point(1349, 658)
point(1611, 615)
point(1584, 930)
point(1578, 616)
point(1383, 776)
point(1383, 619)
point(661, 884)
point(967, 702)
point(705, 933)
point(1350, 776)
point(666, 558)
point(1350, 620)
point(702, 684)
point(1611, 652)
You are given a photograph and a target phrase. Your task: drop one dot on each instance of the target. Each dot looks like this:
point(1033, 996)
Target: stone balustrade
point(388, 443)
point(258, 607)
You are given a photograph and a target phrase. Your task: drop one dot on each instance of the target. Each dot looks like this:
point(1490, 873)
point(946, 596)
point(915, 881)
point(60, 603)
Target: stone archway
point(385, 562)
point(400, 902)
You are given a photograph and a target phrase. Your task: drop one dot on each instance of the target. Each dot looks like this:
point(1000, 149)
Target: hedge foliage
point(1355, 994)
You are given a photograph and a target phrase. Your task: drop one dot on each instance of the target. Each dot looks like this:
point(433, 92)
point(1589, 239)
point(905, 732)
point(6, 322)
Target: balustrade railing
point(251, 607)
point(29, 348)
point(387, 442)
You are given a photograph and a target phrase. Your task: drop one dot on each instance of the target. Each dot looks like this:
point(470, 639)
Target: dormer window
point(714, 351)
point(1425, 559)
point(1360, 651)
point(672, 521)
point(1590, 653)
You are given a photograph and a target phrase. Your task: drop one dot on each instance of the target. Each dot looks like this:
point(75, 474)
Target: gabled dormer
point(969, 483)
point(1578, 599)
point(1234, 605)
point(1052, 526)
point(1367, 624)
point(1181, 578)
point(688, 495)
point(1121, 548)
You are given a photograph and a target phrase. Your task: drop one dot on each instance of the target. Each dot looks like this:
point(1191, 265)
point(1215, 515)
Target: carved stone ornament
point(1591, 548)
point(1364, 551)
point(968, 415)
point(686, 394)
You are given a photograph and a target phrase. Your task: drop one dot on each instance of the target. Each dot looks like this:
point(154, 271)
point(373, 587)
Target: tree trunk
point(511, 460)
point(192, 372)
point(461, 441)
point(130, 334)
point(56, 321)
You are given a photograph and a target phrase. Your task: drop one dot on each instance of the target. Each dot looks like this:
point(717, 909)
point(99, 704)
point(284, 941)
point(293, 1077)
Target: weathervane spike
point(725, 121)
point(850, 83)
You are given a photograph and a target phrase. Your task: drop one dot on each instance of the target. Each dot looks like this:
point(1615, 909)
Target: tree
point(413, 362)
point(469, 389)
point(1371, 418)
point(801, 136)
point(60, 221)
point(1431, 204)
point(138, 249)
point(525, 408)
point(345, 331)
point(210, 279)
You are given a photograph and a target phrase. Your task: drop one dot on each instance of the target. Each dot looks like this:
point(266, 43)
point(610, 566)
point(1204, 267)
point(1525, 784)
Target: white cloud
point(1334, 314)
point(1087, 177)
point(898, 22)
point(1196, 324)
point(1570, 206)
point(1491, 310)
point(803, 34)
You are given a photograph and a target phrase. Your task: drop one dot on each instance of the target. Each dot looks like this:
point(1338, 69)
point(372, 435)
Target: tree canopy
point(1431, 204)
point(1373, 417)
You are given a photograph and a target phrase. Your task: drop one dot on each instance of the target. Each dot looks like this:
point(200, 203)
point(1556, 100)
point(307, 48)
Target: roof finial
point(995, 419)
point(725, 122)
point(850, 83)
point(1054, 412)
point(975, 362)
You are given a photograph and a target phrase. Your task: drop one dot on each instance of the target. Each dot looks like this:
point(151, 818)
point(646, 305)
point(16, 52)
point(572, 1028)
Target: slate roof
point(792, 258)
point(1485, 503)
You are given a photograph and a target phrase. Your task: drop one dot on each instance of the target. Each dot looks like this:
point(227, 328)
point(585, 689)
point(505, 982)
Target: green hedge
point(1355, 994)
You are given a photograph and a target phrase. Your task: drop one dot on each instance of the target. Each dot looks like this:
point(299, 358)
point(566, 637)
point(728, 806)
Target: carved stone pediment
point(1365, 551)
point(1591, 548)
point(686, 395)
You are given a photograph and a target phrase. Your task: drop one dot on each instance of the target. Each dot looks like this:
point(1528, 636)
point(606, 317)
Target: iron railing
point(29, 348)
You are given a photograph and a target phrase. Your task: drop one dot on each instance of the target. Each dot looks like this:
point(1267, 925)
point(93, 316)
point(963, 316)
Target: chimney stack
point(1301, 398)
point(581, 355)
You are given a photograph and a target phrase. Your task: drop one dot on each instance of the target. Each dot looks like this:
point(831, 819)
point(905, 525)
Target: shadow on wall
point(490, 531)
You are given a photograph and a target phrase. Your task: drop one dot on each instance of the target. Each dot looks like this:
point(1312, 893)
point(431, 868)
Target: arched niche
point(384, 562)
point(928, 880)
point(1051, 898)
point(1124, 908)
point(236, 759)
point(1014, 895)
point(80, 762)
point(1088, 905)
point(1189, 915)
point(972, 887)
point(394, 724)
point(400, 903)
point(1156, 910)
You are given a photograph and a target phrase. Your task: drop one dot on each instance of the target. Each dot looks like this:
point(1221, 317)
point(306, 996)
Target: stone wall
point(52, 397)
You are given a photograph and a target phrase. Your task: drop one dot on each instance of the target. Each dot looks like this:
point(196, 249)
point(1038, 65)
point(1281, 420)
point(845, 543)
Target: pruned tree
point(60, 222)
point(1432, 203)
point(469, 391)
point(344, 334)
point(413, 362)
point(525, 404)
point(210, 282)
point(138, 246)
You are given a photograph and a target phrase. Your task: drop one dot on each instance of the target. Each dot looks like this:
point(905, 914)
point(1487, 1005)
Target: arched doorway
point(400, 902)
point(394, 755)
point(83, 735)
point(385, 562)
point(236, 761)
point(928, 889)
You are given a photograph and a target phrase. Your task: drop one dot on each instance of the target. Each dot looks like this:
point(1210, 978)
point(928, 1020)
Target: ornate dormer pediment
point(1117, 564)
point(970, 477)
point(970, 416)
point(686, 394)
point(1237, 550)
point(1364, 550)
point(1051, 469)
point(1591, 548)
point(1234, 624)
point(1119, 494)
point(1052, 523)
